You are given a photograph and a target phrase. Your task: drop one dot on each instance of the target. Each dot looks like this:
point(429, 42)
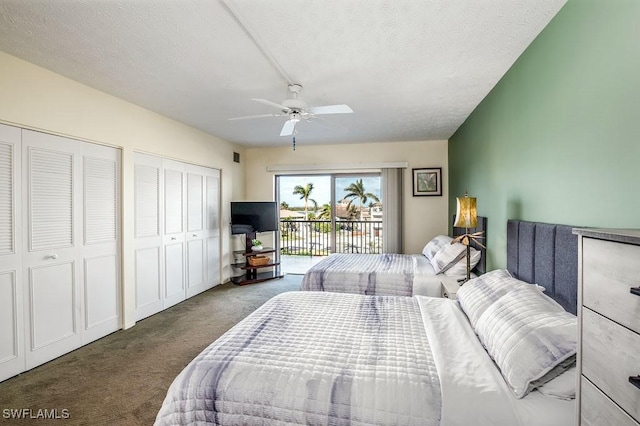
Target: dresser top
point(630, 236)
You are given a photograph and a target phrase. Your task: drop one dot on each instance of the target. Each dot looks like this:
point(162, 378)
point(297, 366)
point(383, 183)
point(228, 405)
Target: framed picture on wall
point(427, 182)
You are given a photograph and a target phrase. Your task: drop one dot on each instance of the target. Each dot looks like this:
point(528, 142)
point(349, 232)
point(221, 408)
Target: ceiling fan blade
point(331, 109)
point(255, 116)
point(273, 104)
point(288, 128)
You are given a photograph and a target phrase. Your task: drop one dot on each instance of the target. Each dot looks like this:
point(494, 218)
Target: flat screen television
point(253, 216)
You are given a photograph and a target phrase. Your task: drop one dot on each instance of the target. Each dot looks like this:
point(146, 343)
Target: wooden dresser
point(609, 327)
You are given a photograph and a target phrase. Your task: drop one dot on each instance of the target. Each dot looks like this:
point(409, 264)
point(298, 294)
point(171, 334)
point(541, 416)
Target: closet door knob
point(53, 256)
point(195, 235)
point(635, 290)
point(173, 238)
point(635, 381)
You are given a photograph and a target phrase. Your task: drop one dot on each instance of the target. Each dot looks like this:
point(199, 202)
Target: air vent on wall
point(236, 157)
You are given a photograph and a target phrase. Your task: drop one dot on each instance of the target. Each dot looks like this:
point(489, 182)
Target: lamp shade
point(466, 214)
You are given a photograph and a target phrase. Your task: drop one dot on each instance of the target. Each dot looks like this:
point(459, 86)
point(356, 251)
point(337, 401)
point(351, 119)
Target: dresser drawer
point(609, 358)
point(610, 269)
point(598, 410)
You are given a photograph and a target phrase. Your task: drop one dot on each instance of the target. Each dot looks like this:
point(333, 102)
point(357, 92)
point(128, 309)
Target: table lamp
point(467, 217)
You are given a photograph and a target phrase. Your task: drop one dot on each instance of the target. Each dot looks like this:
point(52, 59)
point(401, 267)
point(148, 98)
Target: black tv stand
point(252, 274)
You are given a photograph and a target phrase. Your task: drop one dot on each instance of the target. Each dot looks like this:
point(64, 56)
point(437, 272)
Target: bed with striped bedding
point(318, 358)
point(372, 274)
point(391, 274)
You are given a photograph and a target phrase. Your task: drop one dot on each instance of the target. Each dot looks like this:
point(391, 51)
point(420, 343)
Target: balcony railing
point(317, 238)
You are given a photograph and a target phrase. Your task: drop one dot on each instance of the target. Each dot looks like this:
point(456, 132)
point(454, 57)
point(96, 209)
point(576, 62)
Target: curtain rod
point(336, 166)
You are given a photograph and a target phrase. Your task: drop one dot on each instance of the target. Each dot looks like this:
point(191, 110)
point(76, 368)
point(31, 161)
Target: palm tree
point(351, 211)
point(305, 194)
point(325, 212)
point(356, 191)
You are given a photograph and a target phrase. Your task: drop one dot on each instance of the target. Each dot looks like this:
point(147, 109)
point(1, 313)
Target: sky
point(322, 188)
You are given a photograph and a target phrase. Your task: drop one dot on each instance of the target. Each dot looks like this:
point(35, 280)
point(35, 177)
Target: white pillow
point(448, 256)
point(561, 387)
point(433, 246)
point(528, 337)
point(477, 294)
point(459, 269)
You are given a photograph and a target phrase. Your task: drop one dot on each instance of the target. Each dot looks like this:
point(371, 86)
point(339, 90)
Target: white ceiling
point(410, 69)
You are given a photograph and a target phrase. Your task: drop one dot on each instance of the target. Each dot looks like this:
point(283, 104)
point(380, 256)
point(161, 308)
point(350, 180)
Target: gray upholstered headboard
point(481, 267)
point(547, 255)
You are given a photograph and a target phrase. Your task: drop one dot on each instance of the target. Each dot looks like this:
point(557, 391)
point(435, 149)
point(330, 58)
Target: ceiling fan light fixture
point(295, 105)
point(294, 116)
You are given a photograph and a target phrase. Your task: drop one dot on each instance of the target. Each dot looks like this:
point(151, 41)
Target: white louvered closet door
point(174, 232)
point(51, 270)
point(148, 235)
point(101, 241)
point(12, 356)
point(196, 237)
point(71, 243)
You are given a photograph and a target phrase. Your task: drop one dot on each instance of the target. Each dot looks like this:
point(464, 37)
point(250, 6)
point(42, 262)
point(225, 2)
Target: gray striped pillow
point(528, 335)
point(477, 294)
point(435, 245)
point(448, 256)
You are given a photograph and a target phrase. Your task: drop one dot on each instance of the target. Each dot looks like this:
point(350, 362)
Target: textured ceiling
point(410, 70)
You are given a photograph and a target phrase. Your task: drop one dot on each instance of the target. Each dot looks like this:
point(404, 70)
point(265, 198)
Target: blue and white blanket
point(315, 359)
point(372, 274)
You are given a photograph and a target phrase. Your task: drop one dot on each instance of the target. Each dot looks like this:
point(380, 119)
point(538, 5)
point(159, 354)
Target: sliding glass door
point(331, 213)
point(358, 213)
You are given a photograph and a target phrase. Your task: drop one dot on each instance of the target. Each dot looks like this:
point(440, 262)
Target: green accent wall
point(558, 139)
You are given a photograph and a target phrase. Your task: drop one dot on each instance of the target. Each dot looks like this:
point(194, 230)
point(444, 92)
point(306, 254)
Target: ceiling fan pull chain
point(294, 142)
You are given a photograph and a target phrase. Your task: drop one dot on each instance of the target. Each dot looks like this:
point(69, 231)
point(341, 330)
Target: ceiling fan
point(296, 110)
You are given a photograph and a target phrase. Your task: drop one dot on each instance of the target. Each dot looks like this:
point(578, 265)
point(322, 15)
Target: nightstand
point(449, 287)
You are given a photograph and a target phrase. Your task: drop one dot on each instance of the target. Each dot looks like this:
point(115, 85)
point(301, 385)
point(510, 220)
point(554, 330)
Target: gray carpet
point(122, 379)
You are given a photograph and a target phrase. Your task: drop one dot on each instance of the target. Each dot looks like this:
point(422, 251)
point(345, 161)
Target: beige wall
point(424, 217)
point(32, 97)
